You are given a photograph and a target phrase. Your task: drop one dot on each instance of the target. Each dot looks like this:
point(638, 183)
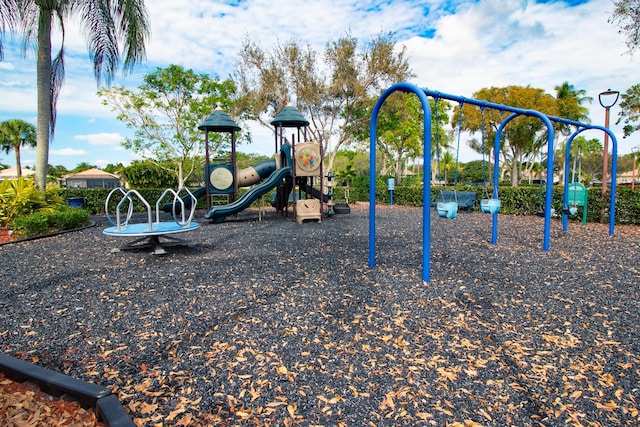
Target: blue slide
point(219, 213)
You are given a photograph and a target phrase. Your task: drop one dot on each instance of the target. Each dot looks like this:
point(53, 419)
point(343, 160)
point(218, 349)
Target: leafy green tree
point(115, 169)
point(331, 90)
point(14, 134)
point(630, 110)
point(581, 148)
point(148, 174)
point(245, 160)
point(626, 15)
point(400, 133)
point(165, 112)
point(58, 171)
point(343, 158)
point(524, 137)
point(350, 164)
point(441, 139)
point(477, 171)
point(110, 25)
point(83, 166)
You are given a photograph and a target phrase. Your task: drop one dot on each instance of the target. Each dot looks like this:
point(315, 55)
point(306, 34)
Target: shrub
point(522, 200)
point(59, 218)
point(19, 197)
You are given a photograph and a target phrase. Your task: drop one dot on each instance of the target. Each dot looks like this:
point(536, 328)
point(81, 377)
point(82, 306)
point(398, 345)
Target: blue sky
point(454, 46)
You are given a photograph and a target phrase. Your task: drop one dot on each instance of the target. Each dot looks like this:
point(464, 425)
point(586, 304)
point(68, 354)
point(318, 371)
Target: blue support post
point(426, 192)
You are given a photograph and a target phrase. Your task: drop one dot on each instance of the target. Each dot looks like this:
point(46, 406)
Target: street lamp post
point(607, 99)
point(634, 150)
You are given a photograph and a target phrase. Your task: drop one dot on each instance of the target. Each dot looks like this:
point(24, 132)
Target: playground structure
point(490, 205)
point(296, 172)
point(149, 233)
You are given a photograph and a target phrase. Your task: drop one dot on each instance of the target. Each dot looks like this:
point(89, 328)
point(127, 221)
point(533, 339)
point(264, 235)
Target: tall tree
point(330, 90)
point(630, 110)
point(448, 166)
point(570, 106)
point(83, 166)
point(626, 15)
point(15, 134)
point(400, 130)
point(165, 112)
point(523, 137)
point(108, 24)
point(582, 147)
point(441, 139)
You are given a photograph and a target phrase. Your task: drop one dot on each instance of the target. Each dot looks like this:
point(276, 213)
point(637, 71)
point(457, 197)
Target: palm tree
point(570, 102)
point(448, 164)
point(15, 134)
point(570, 106)
point(107, 23)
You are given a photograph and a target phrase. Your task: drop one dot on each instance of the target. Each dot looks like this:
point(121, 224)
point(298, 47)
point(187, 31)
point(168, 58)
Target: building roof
point(630, 174)
point(94, 173)
point(11, 173)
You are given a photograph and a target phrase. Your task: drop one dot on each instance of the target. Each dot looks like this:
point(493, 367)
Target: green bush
point(19, 197)
point(59, 218)
point(94, 199)
point(522, 200)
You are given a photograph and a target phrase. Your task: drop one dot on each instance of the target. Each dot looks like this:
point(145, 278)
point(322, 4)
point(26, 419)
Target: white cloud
point(101, 139)
point(67, 152)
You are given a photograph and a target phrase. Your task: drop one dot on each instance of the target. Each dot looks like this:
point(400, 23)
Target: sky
point(453, 46)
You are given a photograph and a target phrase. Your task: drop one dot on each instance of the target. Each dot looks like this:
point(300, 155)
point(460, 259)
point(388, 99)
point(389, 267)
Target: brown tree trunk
point(44, 97)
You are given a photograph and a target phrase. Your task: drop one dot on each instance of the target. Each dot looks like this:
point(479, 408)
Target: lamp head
point(608, 98)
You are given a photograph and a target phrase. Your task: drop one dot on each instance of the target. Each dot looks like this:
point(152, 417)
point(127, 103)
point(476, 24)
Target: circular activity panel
point(221, 179)
point(308, 159)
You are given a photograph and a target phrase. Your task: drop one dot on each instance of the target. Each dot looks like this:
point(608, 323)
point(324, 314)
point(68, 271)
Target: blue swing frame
point(426, 196)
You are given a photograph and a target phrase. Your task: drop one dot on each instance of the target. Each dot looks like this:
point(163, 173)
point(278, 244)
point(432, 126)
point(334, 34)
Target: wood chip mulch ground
point(277, 324)
point(26, 405)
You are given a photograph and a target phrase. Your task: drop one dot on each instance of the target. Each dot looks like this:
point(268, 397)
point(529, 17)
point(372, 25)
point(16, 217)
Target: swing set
point(447, 205)
point(490, 204)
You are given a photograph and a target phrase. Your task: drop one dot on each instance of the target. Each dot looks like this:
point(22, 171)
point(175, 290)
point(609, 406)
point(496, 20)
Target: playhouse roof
point(290, 117)
point(219, 121)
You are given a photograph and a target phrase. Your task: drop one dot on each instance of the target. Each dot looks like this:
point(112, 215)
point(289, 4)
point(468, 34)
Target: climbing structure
point(306, 181)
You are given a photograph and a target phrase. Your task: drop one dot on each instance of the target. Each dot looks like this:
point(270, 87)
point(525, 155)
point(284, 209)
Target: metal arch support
point(549, 185)
point(426, 188)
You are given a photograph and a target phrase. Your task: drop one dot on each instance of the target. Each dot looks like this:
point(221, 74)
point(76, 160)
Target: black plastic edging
point(106, 405)
point(42, 236)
